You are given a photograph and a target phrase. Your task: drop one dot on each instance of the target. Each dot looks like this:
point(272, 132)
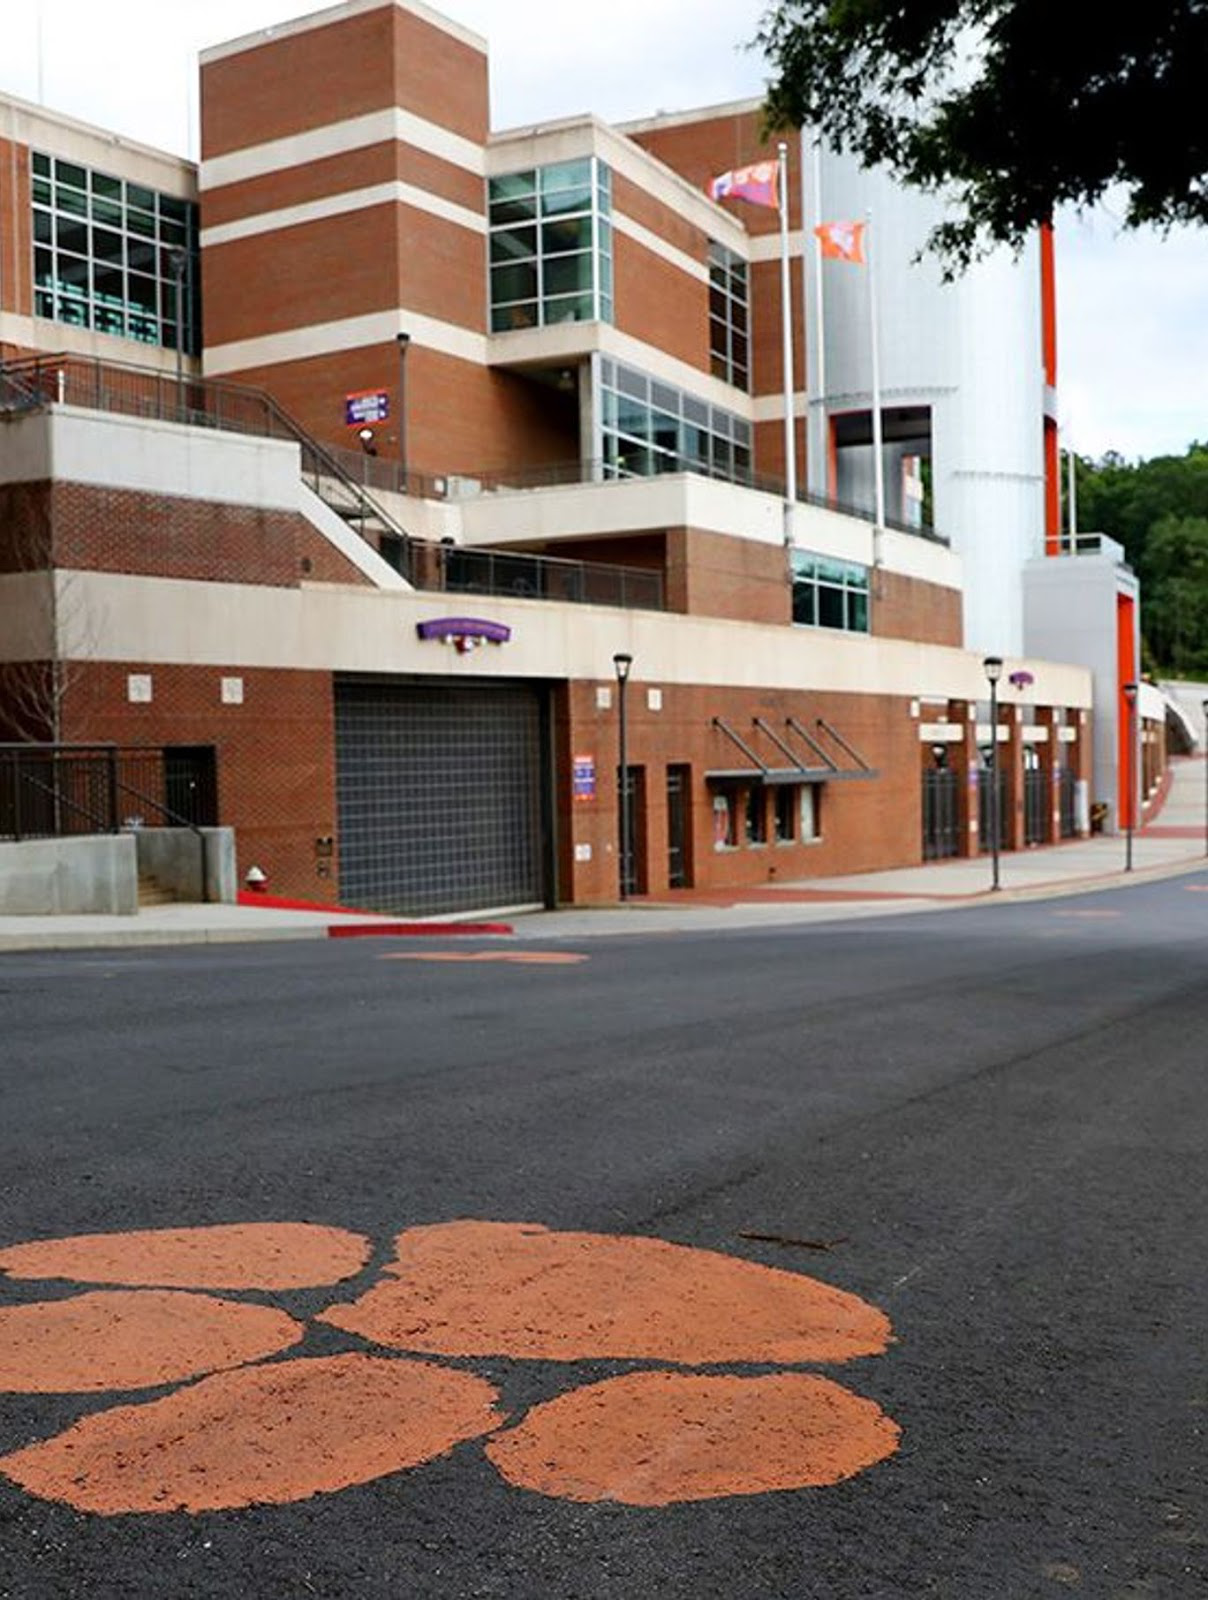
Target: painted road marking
point(1087, 915)
point(524, 958)
point(242, 1433)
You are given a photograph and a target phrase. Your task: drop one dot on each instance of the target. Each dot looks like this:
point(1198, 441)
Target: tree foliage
point(1158, 510)
point(1013, 107)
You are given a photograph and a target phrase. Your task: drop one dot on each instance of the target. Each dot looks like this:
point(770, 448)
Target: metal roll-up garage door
point(440, 792)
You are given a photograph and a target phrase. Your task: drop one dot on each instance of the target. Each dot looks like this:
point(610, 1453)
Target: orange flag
point(842, 241)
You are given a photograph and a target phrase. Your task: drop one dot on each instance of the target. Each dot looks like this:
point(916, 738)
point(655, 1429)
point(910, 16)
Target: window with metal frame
point(551, 245)
point(729, 303)
point(114, 256)
point(829, 594)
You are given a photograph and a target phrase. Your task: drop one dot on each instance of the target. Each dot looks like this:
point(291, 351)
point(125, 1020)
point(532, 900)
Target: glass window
point(514, 283)
point(784, 819)
point(809, 811)
point(829, 594)
point(755, 814)
point(514, 244)
point(728, 313)
point(555, 220)
point(683, 431)
point(115, 275)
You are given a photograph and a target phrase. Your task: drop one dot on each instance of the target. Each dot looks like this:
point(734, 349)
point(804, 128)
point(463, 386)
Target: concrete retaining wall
point(41, 877)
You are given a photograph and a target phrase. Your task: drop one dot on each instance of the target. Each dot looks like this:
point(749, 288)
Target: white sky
point(1132, 310)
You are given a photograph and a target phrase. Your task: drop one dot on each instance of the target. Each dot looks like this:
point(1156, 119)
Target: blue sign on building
point(366, 405)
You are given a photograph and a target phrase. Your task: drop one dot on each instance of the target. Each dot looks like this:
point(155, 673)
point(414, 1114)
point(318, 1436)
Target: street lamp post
point(403, 340)
point(621, 664)
point(992, 667)
point(1205, 710)
point(1130, 775)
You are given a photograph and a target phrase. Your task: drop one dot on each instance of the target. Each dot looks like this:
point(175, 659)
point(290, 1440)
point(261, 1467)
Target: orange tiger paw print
point(253, 1424)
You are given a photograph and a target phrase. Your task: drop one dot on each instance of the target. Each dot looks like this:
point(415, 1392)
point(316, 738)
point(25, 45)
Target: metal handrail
point(124, 389)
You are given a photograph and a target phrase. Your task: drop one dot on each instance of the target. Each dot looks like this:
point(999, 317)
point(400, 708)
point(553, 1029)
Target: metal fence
point(54, 791)
point(985, 808)
point(534, 577)
point(941, 814)
point(1036, 801)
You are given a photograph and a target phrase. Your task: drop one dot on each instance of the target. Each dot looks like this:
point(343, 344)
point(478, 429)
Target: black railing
point(1066, 790)
point(61, 791)
point(491, 480)
point(1036, 802)
point(202, 403)
point(986, 809)
point(215, 403)
point(462, 571)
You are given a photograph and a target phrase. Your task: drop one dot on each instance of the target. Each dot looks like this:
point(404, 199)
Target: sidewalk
point(1172, 843)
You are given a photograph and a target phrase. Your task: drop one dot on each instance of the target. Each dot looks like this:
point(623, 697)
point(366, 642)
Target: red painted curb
point(369, 930)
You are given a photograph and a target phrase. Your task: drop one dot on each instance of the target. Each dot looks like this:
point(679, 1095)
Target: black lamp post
point(621, 664)
point(992, 667)
point(1129, 692)
point(403, 340)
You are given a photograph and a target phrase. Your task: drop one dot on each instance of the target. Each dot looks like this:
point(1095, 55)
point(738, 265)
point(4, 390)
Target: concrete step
point(152, 893)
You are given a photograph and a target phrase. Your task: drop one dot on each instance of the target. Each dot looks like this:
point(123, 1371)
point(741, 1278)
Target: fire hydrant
point(256, 881)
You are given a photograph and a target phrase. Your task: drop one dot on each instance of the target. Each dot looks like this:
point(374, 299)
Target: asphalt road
point(994, 1119)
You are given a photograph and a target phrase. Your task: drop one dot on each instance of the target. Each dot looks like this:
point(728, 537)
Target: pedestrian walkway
point(1172, 842)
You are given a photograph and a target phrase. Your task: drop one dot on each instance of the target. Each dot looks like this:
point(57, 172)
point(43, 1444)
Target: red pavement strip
point(372, 930)
point(369, 930)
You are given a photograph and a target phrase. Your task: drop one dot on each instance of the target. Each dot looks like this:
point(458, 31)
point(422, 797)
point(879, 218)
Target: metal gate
point(1065, 802)
point(1036, 788)
point(941, 818)
point(440, 795)
point(985, 808)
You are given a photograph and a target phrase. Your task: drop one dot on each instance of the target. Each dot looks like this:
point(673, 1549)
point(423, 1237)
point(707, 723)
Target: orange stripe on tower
point(1126, 672)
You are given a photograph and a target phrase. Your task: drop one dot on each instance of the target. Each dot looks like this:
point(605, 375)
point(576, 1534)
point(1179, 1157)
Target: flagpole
point(877, 441)
point(821, 472)
point(786, 318)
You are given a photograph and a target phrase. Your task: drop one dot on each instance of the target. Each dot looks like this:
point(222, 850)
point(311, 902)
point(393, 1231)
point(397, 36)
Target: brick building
point(342, 469)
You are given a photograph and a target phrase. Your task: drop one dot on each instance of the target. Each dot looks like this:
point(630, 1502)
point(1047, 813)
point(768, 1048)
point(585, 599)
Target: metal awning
point(821, 766)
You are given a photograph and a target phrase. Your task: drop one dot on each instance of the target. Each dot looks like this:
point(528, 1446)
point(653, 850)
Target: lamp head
point(992, 667)
point(622, 663)
point(366, 437)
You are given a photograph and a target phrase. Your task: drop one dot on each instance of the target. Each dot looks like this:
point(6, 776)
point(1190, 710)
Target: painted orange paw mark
point(275, 1433)
point(624, 1439)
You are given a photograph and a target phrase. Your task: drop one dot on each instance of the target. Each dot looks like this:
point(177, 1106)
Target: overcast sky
point(1132, 309)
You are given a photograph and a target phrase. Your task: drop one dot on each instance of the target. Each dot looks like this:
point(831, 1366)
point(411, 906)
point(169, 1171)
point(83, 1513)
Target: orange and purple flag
point(842, 241)
point(758, 184)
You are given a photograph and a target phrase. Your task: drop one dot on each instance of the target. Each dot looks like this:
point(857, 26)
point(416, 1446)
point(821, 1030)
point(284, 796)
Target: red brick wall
point(275, 752)
point(339, 174)
point(460, 417)
point(908, 608)
point(702, 150)
point(24, 526)
point(865, 824)
point(330, 74)
point(165, 536)
point(715, 575)
point(16, 250)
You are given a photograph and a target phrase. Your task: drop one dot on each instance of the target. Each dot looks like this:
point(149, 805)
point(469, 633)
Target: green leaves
point(1013, 110)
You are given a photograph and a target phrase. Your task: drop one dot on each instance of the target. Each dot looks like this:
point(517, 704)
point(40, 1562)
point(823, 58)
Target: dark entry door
point(191, 785)
point(678, 874)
